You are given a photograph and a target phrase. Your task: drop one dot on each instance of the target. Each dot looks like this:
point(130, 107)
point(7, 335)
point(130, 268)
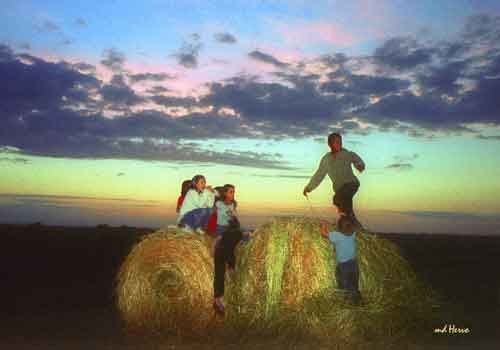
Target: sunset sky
point(106, 107)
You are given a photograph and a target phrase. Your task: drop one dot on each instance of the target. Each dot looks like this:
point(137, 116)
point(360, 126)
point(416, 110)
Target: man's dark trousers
point(343, 197)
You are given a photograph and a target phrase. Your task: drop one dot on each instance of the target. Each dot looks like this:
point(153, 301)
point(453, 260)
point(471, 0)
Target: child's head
point(198, 183)
point(346, 225)
point(186, 185)
point(228, 193)
point(335, 141)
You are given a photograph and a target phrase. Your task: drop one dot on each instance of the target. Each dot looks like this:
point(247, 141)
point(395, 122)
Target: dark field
point(57, 289)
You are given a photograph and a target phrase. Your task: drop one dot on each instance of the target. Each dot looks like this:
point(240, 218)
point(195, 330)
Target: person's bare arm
point(324, 229)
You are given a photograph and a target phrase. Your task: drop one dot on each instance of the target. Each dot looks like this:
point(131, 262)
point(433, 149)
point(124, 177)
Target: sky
point(106, 107)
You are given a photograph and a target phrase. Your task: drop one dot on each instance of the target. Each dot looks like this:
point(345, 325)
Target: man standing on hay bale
point(337, 164)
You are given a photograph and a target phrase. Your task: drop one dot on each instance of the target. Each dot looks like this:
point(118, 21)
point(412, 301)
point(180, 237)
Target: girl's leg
point(197, 218)
point(220, 270)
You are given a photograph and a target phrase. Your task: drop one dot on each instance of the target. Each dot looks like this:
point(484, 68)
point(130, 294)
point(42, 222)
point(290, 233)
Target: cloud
point(34, 84)
point(406, 86)
point(173, 101)
point(157, 89)
point(155, 77)
point(118, 94)
point(400, 166)
point(187, 55)
point(266, 58)
point(14, 160)
point(113, 59)
point(120, 174)
point(402, 53)
point(489, 137)
point(225, 38)
point(363, 84)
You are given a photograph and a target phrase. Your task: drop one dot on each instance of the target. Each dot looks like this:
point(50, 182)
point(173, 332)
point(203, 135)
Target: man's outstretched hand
point(306, 191)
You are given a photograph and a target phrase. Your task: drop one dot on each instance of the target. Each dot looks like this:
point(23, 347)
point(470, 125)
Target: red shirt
point(212, 224)
point(180, 200)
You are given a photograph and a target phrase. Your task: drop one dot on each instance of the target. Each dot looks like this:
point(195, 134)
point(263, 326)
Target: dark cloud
point(364, 84)
point(443, 79)
point(157, 89)
point(187, 55)
point(117, 94)
point(172, 101)
point(14, 160)
point(275, 103)
point(489, 137)
point(266, 58)
point(403, 53)
point(483, 28)
point(6, 53)
point(156, 77)
point(113, 59)
point(41, 85)
point(225, 38)
point(400, 166)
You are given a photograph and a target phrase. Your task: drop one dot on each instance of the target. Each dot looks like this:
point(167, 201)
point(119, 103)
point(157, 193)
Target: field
point(57, 290)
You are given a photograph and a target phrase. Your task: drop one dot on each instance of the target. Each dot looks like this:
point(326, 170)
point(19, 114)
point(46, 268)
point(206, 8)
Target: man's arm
point(358, 162)
point(318, 176)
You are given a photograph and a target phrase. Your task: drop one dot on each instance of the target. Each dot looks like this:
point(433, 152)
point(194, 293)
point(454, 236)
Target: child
point(338, 165)
point(186, 185)
point(229, 234)
point(197, 206)
point(347, 271)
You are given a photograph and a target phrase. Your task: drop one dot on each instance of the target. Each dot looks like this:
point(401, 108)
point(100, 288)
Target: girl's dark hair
point(196, 179)
point(186, 186)
point(222, 192)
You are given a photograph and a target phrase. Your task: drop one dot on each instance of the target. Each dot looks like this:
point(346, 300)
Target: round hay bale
point(285, 284)
point(165, 284)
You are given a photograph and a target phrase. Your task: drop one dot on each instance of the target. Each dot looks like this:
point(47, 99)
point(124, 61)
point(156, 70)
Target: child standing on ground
point(197, 206)
point(347, 270)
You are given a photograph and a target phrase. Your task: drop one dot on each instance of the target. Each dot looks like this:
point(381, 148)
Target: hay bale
point(165, 284)
point(285, 284)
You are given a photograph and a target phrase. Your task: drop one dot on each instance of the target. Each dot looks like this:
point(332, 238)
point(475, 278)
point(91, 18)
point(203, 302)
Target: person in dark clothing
point(224, 255)
point(338, 165)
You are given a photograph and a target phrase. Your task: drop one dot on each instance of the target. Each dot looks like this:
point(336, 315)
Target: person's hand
point(306, 191)
point(210, 189)
point(324, 229)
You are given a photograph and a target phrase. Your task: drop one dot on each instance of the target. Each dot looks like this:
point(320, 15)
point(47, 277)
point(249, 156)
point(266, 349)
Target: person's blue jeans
point(347, 276)
point(197, 218)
